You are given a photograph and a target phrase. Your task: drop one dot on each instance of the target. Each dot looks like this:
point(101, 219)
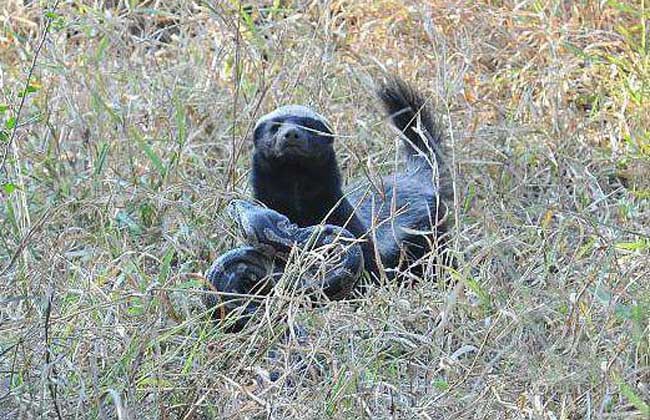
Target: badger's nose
point(291, 135)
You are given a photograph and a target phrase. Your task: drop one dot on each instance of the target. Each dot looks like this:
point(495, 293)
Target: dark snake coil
point(242, 275)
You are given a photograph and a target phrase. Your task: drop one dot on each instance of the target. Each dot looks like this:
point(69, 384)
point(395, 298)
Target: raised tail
point(410, 114)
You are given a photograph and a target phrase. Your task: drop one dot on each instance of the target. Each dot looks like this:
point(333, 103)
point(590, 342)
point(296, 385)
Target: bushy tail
point(409, 113)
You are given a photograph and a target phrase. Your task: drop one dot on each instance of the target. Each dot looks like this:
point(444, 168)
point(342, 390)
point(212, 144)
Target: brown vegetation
point(133, 137)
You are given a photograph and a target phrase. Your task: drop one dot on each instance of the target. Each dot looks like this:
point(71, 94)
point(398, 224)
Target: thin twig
point(25, 240)
point(37, 52)
point(51, 384)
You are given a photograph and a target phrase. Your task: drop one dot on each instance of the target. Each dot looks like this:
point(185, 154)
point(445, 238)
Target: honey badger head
point(293, 134)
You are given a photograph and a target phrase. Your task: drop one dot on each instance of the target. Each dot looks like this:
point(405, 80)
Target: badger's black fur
point(296, 173)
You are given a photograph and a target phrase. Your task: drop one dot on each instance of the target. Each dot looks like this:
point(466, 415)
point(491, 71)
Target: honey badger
point(295, 172)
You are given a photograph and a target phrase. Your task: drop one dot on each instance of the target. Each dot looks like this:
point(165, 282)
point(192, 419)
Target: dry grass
point(133, 138)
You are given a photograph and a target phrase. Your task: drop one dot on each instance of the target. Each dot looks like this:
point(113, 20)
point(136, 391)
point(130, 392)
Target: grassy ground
point(133, 137)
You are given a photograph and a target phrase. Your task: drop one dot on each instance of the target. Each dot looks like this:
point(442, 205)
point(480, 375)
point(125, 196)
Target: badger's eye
point(317, 128)
point(273, 127)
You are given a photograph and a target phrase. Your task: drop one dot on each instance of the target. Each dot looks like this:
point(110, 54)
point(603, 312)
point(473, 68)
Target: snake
point(244, 275)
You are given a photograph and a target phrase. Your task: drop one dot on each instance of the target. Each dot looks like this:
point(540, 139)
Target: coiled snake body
point(255, 268)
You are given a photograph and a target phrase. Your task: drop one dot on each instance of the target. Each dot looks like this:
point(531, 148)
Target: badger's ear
point(257, 134)
point(328, 133)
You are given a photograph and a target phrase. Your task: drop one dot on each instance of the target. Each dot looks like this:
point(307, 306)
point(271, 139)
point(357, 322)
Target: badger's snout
point(290, 137)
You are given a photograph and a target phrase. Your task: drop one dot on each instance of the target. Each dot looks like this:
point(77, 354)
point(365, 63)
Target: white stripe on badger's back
point(299, 111)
